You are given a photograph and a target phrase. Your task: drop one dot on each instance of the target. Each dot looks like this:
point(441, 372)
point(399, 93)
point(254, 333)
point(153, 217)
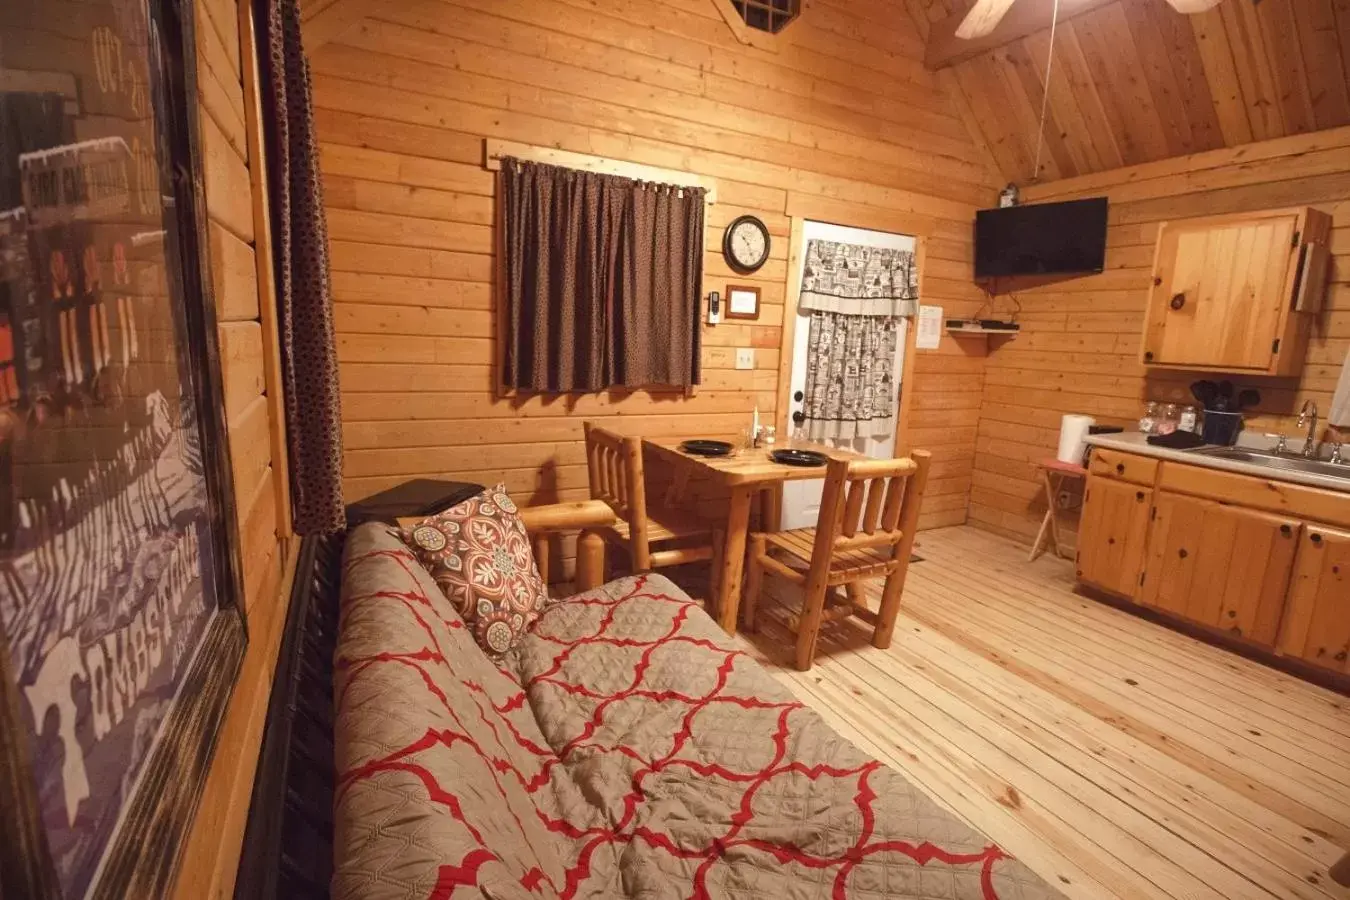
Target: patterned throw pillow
point(480, 556)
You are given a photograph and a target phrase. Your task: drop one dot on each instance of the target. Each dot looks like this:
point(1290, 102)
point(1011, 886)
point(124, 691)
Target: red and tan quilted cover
point(624, 749)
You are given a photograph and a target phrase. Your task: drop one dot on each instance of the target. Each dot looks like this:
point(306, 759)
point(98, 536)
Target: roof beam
point(1026, 17)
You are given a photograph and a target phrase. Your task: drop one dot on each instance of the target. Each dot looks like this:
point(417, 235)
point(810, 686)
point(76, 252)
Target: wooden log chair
point(869, 511)
point(652, 538)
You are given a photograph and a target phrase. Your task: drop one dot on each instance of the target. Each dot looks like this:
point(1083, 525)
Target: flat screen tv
point(1041, 239)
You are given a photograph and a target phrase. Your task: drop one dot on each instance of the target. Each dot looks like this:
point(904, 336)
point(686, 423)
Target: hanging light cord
point(1045, 96)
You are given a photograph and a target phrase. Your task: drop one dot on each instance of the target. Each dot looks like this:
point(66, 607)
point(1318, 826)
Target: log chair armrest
point(575, 516)
point(542, 521)
point(582, 515)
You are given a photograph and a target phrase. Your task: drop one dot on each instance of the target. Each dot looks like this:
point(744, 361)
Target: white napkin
point(1340, 401)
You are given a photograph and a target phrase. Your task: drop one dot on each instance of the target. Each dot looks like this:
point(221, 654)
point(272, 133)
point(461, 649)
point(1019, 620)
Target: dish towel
point(1340, 401)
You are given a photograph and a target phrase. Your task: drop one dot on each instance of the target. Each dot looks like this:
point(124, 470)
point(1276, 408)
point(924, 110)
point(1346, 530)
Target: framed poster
point(121, 633)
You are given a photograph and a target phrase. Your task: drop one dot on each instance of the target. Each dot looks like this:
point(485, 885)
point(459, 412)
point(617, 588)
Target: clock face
point(746, 246)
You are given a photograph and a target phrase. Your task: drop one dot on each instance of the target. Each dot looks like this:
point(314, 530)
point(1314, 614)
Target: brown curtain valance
point(602, 280)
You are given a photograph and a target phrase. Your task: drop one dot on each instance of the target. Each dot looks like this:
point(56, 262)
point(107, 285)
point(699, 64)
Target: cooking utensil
point(802, 458)
point(1205, 392)
point(1222, 401)
point(702, 447)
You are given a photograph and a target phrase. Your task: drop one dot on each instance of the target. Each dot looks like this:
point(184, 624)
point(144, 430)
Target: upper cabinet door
point(1317, 618)
point(1223, 288)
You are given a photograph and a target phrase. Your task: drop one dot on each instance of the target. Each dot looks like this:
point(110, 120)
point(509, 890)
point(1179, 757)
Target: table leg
point(678, 484)
point(771, 507)
point(1038, 546)
point(733, 557)
point(1052, 497)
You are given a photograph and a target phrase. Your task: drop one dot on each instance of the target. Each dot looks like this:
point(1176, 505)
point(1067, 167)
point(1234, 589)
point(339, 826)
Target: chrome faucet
point(1308, 416)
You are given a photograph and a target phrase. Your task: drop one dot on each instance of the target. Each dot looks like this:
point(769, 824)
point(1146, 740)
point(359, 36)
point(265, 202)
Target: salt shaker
point(768, 436)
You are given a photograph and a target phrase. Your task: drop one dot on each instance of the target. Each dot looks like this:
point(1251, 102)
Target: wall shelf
point(960, 328)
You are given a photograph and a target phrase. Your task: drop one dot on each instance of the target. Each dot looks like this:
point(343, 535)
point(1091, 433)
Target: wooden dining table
point(744, 474)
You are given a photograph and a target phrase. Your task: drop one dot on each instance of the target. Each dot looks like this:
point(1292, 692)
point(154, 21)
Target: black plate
point(804, 458)
point(706, 448)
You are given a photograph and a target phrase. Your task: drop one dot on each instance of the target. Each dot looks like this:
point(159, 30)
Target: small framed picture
point(742, 302)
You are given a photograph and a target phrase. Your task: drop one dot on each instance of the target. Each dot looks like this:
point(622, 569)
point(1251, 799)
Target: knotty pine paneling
point(1078, 351)
point(843, 114)
point(1135, 81)
point(211, 853)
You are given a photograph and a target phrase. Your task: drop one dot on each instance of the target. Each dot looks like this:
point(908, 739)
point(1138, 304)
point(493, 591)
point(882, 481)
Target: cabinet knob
point(1120, 468)
point(1286, 530)
point(1139, 496)
point(1157, 281)
point(1316, 538)
point(1182, 553)
point(1148, 357)
point(1178, 301)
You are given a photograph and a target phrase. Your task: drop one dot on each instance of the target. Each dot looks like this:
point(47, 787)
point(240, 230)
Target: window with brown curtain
point(602, 277)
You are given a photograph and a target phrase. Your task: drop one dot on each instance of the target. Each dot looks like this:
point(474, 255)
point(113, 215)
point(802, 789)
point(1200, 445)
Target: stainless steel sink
point(1276, 461)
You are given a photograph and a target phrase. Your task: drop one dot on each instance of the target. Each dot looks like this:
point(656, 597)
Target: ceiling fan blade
point(1193, 6)
point(983, 18)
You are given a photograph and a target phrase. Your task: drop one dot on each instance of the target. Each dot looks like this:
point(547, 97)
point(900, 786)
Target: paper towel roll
point(1073, 432)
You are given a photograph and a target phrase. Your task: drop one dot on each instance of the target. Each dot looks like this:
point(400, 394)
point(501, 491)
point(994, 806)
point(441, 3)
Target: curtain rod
point(494, 150)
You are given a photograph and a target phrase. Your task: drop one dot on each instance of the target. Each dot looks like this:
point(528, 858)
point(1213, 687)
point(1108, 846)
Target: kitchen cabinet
point(1115, 523)
point(1236, 293)
point(1125, 466)
point(1317, 618)
point(1219, 565)
point(1264, 560)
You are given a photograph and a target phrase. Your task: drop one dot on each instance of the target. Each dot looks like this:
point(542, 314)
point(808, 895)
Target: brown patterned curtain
point(300, 257)
point(602, 280)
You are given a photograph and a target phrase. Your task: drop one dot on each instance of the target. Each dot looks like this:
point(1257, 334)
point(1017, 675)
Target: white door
point(801, 499)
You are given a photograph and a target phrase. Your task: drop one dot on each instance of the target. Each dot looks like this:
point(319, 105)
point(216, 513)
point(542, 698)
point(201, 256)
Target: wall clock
point(746, 245)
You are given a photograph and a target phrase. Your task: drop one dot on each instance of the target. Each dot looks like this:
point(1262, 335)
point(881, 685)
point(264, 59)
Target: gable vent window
point(767, 15)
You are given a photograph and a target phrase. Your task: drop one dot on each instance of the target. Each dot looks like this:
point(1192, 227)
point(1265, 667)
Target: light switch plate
point(745, 357)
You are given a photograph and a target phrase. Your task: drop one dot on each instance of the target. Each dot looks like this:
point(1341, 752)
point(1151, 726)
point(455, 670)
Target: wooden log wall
point(839, 111)
point(1079, 346)
point(254, 416)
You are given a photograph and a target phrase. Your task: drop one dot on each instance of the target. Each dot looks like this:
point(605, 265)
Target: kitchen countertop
point(1136, 442)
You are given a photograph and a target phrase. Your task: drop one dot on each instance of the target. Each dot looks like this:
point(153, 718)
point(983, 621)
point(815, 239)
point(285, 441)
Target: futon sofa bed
point(623, 748)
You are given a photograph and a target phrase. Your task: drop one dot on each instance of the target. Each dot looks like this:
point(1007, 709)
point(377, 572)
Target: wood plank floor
point(1115, 757)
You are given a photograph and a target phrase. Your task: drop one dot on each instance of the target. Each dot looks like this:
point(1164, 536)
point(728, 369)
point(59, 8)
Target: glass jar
point(1148, 422)
point(1168, 422)
point(1189, 421)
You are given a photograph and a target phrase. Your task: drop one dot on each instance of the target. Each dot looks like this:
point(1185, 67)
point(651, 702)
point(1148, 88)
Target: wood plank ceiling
point(1134, 81)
